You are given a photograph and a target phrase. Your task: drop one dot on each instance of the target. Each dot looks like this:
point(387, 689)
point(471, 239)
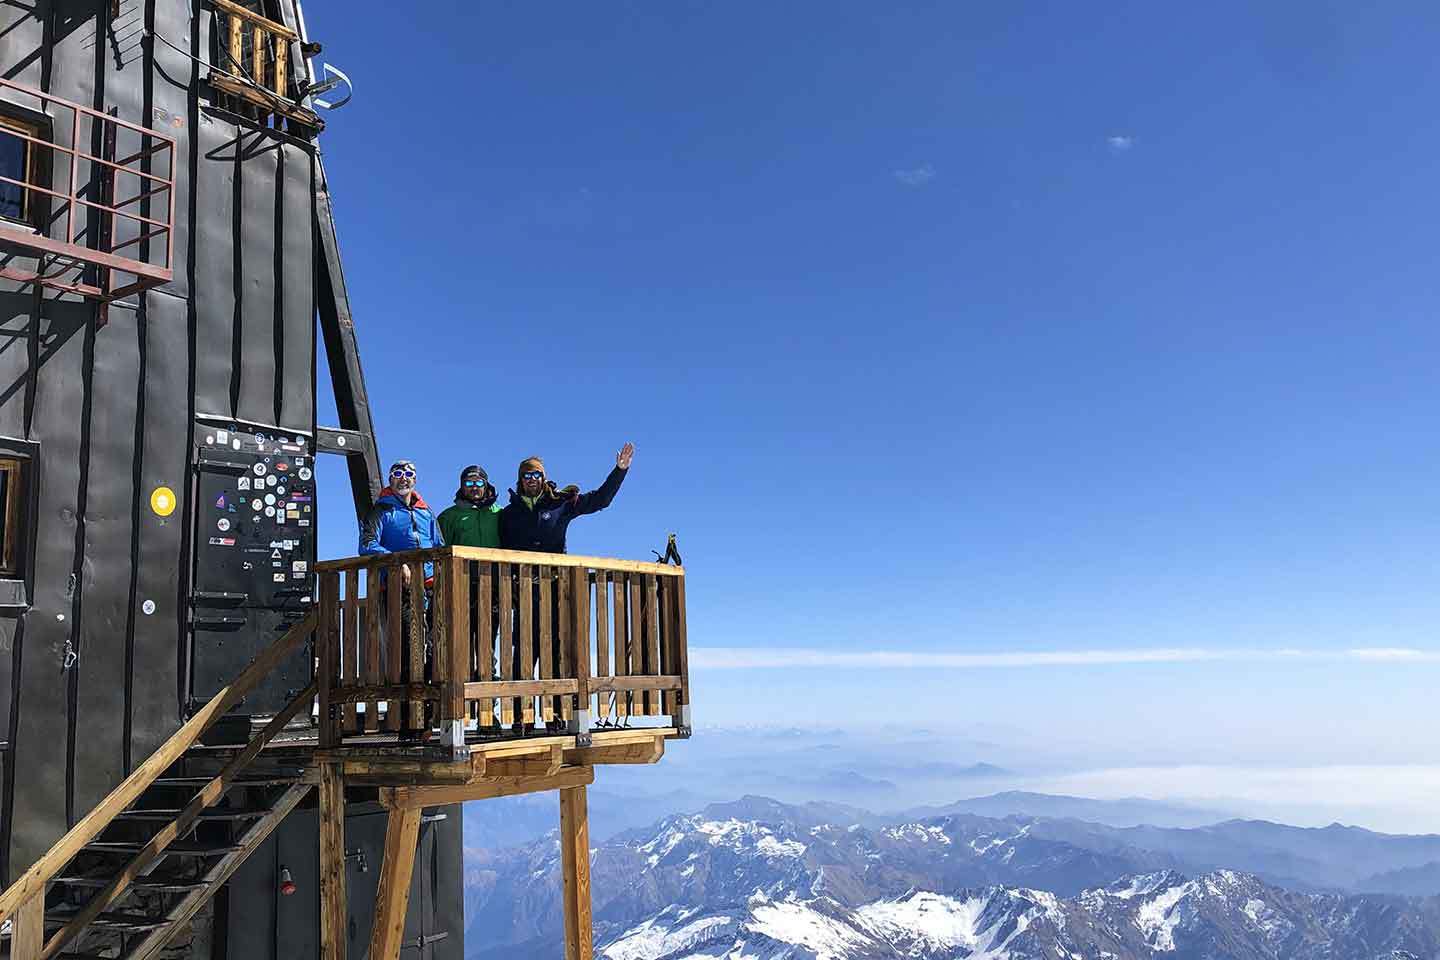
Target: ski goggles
point(474, 483)
point(407, 473)
point(531, 475)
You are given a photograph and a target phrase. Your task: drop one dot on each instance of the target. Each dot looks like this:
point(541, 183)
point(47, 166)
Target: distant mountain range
point(759, 880)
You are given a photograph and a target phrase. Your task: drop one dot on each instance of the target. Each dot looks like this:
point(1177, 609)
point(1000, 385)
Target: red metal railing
point(84, 257)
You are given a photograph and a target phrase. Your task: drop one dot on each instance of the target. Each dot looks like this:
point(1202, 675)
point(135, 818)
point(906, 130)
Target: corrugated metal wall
point(111, 406)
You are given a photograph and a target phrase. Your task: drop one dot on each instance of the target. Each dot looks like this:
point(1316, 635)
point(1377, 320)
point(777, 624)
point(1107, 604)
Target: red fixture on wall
point(287, 882)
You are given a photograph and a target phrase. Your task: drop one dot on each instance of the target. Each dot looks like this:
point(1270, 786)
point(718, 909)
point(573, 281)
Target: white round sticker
point(148, 607)
point(304, 473)
point(270, 499)
point(269, 511)
point(210, 438)
point(280, 491)
point(223, 523)
point(270, 481)
point(259, 469)
point(256, 504)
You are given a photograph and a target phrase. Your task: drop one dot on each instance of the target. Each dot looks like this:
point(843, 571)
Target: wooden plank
point(373, 673)
point(649, 751)
point(546, 652)
point(415, 714)
point(327, 652)
point(506, 640)
point(27, 931)
point(622, 684)
point(682, 648)
point(271, 104)
point(350, 646)
point(34, 879)
point(257, 56)
point(484, 640)
point(564, 638)
point(394, 647)
point(154, 848)
point(575, 869)
point(622, 642)
point(602, 637)
point(459, 638)
point(235, 10)
point(440, 641)
point(519, 688)
point(635, 643)
point(334, 915)
point(568, 560)
point(386, 691)
point(237, 43)
point(402, 836)
point(541, 765)
point(214, 878)
point(282, 79)
point(526, 614)
point(488, 790)
point(580, 602)
point(652, 641)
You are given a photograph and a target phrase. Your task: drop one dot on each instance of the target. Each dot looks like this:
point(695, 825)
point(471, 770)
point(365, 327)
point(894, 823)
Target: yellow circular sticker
point(162, 501)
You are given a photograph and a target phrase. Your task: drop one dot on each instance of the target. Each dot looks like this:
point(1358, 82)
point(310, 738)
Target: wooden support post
point(334, 914)
point(575, 866)
point(27, 934)
point(402, 834)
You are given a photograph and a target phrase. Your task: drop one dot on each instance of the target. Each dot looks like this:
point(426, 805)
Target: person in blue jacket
point(538, 514)
point(401, 520)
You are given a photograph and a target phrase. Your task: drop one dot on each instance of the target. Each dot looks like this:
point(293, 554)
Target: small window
point(17, 163)
point(12, 515)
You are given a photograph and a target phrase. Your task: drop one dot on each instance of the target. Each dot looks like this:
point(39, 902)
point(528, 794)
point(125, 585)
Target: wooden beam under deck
point(414, 797)
point(402, 836)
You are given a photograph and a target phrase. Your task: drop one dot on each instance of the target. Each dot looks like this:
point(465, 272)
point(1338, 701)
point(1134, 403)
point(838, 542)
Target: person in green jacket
point(474, 519)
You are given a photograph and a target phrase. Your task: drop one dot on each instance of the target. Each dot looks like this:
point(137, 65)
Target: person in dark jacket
point(474, 519)
point(401, 519)
point(539, 514)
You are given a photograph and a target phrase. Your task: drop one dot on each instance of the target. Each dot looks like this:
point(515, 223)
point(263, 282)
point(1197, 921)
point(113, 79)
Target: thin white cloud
point(760, 658)
point(1119, 143)
point(916, 176)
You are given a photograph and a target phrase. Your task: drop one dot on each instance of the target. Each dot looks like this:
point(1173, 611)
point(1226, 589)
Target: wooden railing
point(253, 60)
point(514, 641)
point(25, 898)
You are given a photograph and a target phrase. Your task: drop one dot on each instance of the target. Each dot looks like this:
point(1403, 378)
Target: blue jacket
point(393, 527)
point(542, 529)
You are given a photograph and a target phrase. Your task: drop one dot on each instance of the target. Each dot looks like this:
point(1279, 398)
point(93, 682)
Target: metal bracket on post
point(580, 727)
point(453, 737)
point(685, 729)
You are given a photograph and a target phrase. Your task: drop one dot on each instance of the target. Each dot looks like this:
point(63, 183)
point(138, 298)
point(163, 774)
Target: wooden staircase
point(139, 866)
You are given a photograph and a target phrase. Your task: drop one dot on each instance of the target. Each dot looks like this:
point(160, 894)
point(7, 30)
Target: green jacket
point(466, 525)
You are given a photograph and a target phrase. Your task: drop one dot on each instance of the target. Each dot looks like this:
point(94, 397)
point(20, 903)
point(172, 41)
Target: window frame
point(21, 458)
point(32, 129)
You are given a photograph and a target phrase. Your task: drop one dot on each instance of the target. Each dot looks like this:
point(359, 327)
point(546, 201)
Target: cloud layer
point(757, 658)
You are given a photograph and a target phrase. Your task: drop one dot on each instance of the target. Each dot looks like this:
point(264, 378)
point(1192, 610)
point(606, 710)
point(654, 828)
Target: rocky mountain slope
point(759, 880)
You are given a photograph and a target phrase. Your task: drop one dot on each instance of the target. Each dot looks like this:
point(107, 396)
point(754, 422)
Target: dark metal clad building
point(166, 258)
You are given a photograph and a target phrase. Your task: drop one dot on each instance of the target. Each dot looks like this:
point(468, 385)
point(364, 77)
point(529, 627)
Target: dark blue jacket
point(542, 529)
point(393, 527)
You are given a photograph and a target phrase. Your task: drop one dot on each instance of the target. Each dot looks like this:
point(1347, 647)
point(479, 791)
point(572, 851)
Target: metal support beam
point(337, 327)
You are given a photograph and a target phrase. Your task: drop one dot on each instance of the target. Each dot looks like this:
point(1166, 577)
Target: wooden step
point(272, 780)
point(148, 886)
point(112, 921)
point(217, 813)
point(183, 848)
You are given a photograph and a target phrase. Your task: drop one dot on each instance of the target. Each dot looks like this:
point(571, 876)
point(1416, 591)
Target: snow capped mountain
point(758, 880)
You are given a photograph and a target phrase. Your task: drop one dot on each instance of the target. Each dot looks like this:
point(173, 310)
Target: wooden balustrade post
point(575, 866)
point(327, 647)
point(579, 640)
point(458, 641)
point(334, 911)
point(27, 930)
point(682, 650)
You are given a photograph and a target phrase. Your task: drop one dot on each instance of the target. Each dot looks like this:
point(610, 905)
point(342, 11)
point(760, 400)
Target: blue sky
point(956, 328)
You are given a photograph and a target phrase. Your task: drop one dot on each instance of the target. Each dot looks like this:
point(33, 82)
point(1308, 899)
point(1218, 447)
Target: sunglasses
point(405, 472)
point(474, 483)
point(531, 475)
